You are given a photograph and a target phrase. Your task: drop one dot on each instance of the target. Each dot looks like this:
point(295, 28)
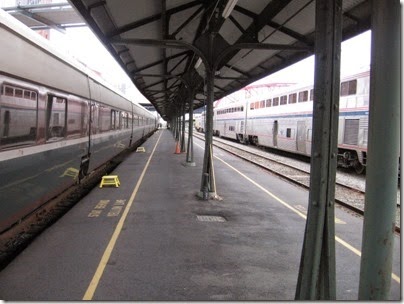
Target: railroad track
point(346, 196)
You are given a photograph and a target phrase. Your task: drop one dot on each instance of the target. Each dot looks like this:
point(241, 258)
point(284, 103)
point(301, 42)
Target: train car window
point(95, 118)
point(268, 103)
point(292, 98)
point(262, 104)
point(284, 99)
point(104, 118)
point(275, 102)
point(288, 132)
point(56, 118)
point(8, 91)
point(348, 87)
point(242, 108)
point(252, 106)
point(18, 93)
point(311, 94)
point(115, 120)
point(27, 94)
point(33, 96)
point(303, 96)
point(18, 118)
point(120, 121)
point(125, 118)
point(309, 132)
point(257, 105)
point(77, 118)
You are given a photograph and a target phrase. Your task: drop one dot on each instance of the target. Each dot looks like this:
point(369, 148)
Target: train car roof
point(17, 28)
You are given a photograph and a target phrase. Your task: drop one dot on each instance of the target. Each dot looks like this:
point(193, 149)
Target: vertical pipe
point(383, 152)
point(316, 279)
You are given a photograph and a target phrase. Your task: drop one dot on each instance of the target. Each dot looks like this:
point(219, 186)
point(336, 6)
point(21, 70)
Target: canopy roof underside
point(154, 41)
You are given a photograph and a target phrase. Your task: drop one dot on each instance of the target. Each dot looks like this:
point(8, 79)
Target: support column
point(190, 148)
point(183, 128)
point(208, 184)
point(316, 278)
point(383, 153)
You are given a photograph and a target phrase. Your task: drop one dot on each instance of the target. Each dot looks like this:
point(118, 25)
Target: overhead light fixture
point(198, 63)
point(229, 8)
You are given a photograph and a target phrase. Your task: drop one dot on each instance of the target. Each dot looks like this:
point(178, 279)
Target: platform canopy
point(159, 43)
point(57, 16)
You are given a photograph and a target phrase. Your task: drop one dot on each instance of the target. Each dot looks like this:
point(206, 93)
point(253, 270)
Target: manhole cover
point(210, 218)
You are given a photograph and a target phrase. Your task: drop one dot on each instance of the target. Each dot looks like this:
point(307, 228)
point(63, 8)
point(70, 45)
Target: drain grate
point(210, 218)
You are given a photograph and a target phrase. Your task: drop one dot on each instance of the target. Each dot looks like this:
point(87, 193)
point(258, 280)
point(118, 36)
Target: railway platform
point(152, 238)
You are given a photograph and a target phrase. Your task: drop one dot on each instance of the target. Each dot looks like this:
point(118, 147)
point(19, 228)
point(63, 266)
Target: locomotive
point(58, 121)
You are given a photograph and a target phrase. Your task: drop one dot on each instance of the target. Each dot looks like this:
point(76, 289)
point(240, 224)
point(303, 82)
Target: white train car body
point(58, 121)
point(282, 119)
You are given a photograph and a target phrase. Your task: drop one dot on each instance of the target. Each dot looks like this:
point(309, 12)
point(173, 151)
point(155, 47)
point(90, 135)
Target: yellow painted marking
point(120, 145)
point(120, 202)
point(115, 210)
point(339, 221)
point(58, 166)
point(102, 204)
point(304, 210)
point(94, 213)
point(339, 240)
point(108, 251)
point(71, 172)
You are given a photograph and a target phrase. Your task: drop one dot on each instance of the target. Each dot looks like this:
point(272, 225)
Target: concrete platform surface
point(153, 239)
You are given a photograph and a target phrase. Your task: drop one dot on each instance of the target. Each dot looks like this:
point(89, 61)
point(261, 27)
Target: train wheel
point(359, 168)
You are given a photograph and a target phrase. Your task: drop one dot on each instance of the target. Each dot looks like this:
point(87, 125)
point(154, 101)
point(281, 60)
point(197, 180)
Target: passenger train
point(282, 119)
point(58, 122)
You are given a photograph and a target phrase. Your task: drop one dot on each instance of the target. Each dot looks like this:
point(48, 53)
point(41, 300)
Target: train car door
point(56, 116)
point(301, 137)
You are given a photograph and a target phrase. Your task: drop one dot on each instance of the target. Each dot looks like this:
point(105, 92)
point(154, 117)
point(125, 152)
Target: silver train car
point(282, 119)
point(57, 122)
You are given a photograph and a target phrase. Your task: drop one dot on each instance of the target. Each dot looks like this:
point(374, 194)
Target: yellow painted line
point(108, 251)
point(339, 240)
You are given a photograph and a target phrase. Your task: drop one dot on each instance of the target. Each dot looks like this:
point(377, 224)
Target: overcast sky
point(81, 43)
point(355, 57)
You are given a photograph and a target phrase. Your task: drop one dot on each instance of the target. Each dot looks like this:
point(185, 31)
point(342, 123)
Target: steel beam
point(316, 279)
point(156, 17)
point(383, 152)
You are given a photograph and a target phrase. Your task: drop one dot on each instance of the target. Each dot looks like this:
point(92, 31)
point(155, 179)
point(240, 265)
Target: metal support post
point(183, 128)
point(190, 148)
point(178, 127)
point(208, 183)
point(174, 127)
point(316, 278)
point(383, 144)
